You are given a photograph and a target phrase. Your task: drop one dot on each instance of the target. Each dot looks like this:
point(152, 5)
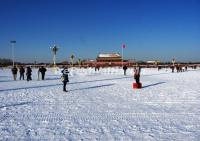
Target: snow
point(101, 105)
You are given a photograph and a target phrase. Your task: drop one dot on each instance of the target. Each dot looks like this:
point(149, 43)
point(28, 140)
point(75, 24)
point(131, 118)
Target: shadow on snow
point(16, 104)
point(43, 86)
point(93, 87)
point(153, 84)
point(98, 80)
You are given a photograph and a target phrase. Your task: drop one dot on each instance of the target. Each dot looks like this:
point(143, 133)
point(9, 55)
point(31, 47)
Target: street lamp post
point(13, 55)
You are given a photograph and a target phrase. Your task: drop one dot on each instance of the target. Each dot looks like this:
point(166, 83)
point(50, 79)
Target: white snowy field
point(101, 106)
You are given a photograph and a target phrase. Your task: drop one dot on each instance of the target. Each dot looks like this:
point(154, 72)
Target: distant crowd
point(41, 73)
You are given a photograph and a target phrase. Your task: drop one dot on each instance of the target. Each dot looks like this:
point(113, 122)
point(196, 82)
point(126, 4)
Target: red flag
point(123, 46)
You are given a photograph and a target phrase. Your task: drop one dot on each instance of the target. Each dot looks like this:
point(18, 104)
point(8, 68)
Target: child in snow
point(65, 78)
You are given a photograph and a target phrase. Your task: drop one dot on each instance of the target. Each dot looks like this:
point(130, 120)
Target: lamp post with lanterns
point(54, 50)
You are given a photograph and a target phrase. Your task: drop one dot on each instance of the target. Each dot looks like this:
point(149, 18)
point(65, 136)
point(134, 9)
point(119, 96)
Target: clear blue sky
point(151, 29)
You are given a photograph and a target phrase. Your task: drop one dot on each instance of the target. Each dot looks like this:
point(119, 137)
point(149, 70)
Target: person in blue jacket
point(65, 78)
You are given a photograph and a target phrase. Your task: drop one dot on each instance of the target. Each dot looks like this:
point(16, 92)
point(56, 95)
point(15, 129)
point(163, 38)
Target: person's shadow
point(150, 85)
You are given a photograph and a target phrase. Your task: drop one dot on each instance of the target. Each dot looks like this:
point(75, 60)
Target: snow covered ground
point(101, 106)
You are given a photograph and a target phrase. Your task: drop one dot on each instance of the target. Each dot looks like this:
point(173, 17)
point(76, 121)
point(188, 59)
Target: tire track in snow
point(108, 116)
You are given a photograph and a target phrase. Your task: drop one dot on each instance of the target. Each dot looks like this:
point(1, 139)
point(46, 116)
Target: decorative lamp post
point(156, 63)
point(54, 50)
point(72, 59)
point(79, 62)
point(13, 53)
point(173, 61)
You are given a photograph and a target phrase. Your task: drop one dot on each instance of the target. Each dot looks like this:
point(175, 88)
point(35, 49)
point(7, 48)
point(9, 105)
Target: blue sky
point(151, 29)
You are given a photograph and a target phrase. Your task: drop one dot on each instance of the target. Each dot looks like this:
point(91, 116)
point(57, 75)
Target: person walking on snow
point(14, 72)
point(65, 78)
point(21, 71)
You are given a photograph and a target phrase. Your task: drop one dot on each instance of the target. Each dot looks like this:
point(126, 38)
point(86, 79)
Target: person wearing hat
point(65, 78)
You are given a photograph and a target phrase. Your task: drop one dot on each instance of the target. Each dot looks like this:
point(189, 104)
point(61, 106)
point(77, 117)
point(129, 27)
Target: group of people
point(65, 79)
point(137, 71)
point(179, 68)
point(28, 71)
point(21, 72)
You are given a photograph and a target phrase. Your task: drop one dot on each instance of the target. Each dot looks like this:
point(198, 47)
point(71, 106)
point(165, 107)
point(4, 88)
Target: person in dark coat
point(125, 68)
point(186, 67)
point(43, 70)
point(172, 67)
point(14, 72)
point(21, 71)
point(65, 78)
point(38, 73)
point(28, 73)
point(137, 74)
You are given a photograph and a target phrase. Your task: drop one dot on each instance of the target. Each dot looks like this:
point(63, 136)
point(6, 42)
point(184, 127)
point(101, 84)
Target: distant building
point(109, 57)
point(153, 62)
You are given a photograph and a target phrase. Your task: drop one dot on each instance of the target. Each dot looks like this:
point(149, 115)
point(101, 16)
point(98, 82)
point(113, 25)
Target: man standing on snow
point(65, 78)
point(14, 72)
point(124, 68)
point(21, 71)
point(28, 73)
point(43, 70)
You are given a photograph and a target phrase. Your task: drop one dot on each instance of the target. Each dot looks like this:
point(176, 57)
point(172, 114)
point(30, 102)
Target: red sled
point(137, 86)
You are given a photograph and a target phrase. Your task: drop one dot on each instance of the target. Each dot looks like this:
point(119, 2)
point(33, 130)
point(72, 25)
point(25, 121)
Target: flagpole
point(122, 55)
point(13, 58)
